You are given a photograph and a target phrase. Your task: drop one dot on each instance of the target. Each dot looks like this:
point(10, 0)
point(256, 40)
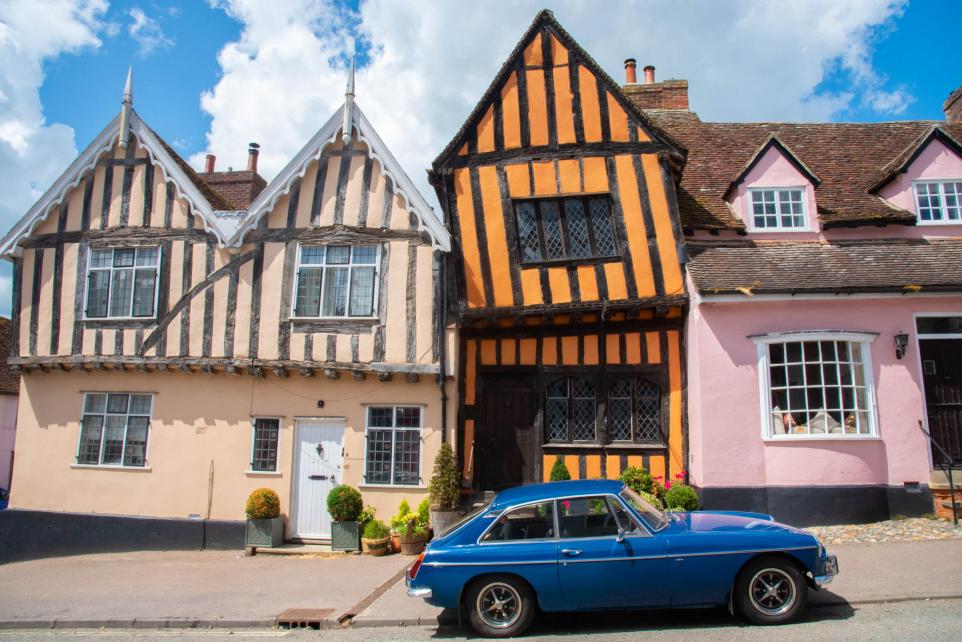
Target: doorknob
point(320, 450)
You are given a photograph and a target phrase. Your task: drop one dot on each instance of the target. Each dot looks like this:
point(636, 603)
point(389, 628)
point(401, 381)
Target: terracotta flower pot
point(395, 543)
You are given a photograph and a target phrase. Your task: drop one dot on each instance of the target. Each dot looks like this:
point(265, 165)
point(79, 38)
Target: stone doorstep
point(323, 550)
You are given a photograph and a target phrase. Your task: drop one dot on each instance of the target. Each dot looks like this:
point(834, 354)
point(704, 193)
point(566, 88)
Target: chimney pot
point(630, 77)
point(209, 164)
point(649, 74)
point(253, 149)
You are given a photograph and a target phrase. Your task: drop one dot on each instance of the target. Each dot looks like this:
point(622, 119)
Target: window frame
point(80, 433)
point(567, 260)
point(394, 430)
point(111, 269)
point(295, 282)
point(941, 182)
point(570, 441)
point(750, 213)
point(277, 447)
point(762, 343)
point(657, 380)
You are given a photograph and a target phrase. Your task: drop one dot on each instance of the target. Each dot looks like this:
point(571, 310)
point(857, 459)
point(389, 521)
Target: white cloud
point(33, 153)
point(431, 61)
point(147, 33)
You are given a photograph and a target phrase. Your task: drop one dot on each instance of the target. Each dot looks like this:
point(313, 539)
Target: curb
point(158, 623)
point(881, 600)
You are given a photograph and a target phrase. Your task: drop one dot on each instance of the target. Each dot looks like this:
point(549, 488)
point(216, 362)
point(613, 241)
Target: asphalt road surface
point(912, 620)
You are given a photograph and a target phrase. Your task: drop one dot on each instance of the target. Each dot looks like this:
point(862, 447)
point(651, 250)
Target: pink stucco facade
point(773, 169)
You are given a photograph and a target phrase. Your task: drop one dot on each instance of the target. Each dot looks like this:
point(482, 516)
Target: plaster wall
point(726, 443)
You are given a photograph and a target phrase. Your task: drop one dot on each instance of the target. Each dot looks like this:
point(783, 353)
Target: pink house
point(824, 336)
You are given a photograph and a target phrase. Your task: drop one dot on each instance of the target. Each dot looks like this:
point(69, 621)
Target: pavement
point(227, 590)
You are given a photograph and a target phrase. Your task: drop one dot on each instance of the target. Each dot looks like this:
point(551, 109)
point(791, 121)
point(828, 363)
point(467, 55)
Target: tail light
point(413, 571)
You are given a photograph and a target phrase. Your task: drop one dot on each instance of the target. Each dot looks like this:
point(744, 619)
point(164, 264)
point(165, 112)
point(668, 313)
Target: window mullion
point(563, 220)
point(103, 438)
point(541, 236)
point(350, 278)
point(590, 225)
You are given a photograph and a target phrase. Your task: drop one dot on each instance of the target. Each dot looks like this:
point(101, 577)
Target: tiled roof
point(780, 267)
point(217, 202)
point(848, 157)
point(237, 188)
point(9, 378)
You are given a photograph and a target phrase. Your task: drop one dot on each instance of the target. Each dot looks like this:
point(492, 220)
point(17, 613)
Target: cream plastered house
point(180, 349)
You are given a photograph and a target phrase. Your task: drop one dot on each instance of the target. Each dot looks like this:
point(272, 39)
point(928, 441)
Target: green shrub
point(652, 499)
point(400, 520)
point(445, 486)
point(263, 503)
point(423, 515)
point(344, 503)
point(681, 497)
point(376, 529)
point(638, 479)
point(366, 516)
point(559, 472)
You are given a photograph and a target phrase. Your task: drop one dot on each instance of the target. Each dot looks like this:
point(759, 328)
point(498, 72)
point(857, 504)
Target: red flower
point(566, 504)
point(667, 485)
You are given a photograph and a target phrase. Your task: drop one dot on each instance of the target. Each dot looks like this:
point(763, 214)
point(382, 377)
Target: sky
point(211, 76)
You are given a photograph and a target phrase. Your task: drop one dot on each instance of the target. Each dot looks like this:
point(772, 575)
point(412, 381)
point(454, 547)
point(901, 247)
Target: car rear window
point(534, 521)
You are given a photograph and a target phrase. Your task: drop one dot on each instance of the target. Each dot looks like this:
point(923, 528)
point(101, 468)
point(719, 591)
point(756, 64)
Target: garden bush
point(559, 472)
point(344, 503)
point(445, 486)
point(263, 503)
point(376, 529)
point(681, 497)
point(639, 480)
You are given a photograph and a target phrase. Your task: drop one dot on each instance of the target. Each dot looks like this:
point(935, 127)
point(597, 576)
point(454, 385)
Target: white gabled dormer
point(775, 191)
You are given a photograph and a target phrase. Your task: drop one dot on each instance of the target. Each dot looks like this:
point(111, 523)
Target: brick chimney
point(953, 107)
point(667, 94)
point(253, 150)
point(630, 77)
point(209, 164)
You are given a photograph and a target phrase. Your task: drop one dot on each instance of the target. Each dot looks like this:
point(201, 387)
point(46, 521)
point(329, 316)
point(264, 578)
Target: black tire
point(517, 606)
point(770, 590)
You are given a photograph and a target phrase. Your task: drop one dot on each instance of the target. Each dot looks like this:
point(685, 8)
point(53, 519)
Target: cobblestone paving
point(894, 530)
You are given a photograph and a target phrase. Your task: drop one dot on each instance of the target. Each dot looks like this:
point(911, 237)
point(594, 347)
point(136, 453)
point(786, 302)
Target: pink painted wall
point(774, 170)
point(725, 442)
point(8, 427)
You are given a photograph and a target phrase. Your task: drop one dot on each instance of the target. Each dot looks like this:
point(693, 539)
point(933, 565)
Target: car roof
point(554, 490)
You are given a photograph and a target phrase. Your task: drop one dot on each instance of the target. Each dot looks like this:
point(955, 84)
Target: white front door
point(318, 462)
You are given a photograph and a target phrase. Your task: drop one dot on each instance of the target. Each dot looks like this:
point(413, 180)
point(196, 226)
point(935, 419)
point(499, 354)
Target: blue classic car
point(593, 545)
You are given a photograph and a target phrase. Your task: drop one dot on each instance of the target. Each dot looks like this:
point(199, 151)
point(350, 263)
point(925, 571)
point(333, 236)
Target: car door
point(602, 568)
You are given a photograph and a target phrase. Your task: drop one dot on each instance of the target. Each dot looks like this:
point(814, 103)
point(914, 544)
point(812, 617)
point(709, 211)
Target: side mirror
point(621, 536)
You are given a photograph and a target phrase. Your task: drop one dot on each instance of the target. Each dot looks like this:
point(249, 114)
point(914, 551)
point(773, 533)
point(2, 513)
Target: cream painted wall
point(201, 428)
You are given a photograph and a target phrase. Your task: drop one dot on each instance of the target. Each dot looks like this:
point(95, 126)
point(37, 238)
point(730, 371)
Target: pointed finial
point(125, 106)
point(348, 106)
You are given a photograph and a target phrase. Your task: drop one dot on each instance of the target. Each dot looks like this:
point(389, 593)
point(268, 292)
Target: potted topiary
point(399, 523)
point(414, 534)
point(344, 503)
point(377, 538)
point(445, 490)
point(265, 526)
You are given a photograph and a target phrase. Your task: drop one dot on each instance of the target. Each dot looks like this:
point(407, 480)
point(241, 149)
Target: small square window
point(778, 209)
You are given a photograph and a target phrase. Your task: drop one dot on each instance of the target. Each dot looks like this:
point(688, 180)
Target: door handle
point(570, 552)
point(318, 477)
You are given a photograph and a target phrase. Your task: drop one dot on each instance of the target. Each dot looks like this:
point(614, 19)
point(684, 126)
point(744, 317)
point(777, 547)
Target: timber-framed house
point(568, 267)
point(188, 337)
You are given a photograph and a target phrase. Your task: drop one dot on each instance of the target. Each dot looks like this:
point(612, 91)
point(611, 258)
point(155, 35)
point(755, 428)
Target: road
point(911, 620)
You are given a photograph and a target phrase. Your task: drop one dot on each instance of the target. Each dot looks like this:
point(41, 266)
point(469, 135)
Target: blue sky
point(211, 76)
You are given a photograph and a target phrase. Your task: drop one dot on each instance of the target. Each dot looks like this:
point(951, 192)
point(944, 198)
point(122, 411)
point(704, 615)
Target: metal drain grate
point(303, 619)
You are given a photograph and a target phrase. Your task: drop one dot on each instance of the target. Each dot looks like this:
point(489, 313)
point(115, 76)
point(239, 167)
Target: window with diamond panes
point(634, 411)
point(393, 454)
point(264, 451)
point(122, 283)
point(113, 430)
point(336, 281)
point(778, 209)
point(818, 388)
point(939, 201)
point(570, 405)
point(564, 229)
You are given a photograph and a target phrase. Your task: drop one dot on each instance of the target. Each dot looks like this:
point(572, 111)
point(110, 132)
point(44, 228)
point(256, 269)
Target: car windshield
point(654, 518)
point(464, 520)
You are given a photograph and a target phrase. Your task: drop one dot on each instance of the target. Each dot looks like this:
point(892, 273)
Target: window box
point(265, 532)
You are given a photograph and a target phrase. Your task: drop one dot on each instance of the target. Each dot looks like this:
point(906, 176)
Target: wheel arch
point(481, 576)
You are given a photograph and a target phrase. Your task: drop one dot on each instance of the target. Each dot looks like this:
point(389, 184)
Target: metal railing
point(945, 463)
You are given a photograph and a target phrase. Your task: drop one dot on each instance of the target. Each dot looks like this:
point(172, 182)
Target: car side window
point(586, 517)
point(534, 521)
point(625, 520)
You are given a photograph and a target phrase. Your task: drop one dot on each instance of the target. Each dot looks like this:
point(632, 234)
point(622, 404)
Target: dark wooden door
point(942, 375)
point(507, 439)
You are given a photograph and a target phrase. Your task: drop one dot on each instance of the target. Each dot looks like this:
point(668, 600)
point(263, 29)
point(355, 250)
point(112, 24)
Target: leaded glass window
point(113, 430)
point(264, 449)
point(393, 451)
point(122, 283)
point(778, 208)
point(939, 201)
point(562, 229)
point(634, 411)
point(336, 281)
point(570, 415)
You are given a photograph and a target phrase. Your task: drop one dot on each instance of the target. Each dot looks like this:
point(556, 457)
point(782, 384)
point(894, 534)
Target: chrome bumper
point(829, 573)
point(423, 593)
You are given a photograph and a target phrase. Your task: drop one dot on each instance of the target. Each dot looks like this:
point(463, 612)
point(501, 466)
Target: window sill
point(588, 260)
point(263, 473)
point(829, 437)
point(129, 469)
point(919, 221)
point(125, 322)
point(393, 486)
point(609, 446)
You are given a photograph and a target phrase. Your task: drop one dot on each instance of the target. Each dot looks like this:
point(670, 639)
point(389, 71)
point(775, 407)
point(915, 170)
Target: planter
point(395, 543)
point(376, 547)
point(264, 532)
point(412, 545)
point(441, 520)
point(345, 536)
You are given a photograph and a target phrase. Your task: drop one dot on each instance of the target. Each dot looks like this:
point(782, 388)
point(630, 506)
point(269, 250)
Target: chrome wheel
point(499, 605)
point(772, 591)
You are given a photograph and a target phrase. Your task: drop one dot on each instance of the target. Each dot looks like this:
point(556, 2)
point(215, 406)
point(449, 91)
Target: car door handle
point(570, 552)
